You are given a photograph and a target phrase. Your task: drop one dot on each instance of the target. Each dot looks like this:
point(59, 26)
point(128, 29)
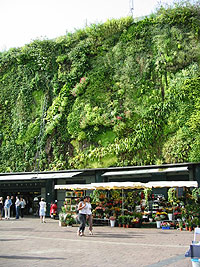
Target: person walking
point(42, 210)
point(7, 206)
point(89, 215)
point(17, 207)
point(1, 208)
point(82, 208)
point(22, 206)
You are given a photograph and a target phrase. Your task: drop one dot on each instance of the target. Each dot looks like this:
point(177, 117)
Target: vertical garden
point(115, 94)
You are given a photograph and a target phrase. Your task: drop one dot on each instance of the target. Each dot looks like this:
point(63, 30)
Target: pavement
point(28, 242)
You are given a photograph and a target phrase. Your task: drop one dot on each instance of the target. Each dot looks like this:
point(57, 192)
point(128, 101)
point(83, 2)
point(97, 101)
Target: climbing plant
point(118, 93)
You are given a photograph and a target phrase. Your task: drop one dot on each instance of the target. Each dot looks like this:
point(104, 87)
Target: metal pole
point(122, 201)
point(131, 8)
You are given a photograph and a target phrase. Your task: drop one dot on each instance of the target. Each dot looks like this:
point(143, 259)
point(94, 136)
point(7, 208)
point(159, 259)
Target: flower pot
point(120, 225)
point(112, 223)
point(61, 223)
point(165, 227)
point(170, 216)
point(127, 225)
point(158, 223)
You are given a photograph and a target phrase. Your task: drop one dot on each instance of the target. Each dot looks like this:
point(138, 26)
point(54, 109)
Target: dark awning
point(38, 176)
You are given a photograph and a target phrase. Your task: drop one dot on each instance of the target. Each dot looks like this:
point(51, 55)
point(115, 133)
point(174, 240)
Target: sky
point(22, 21)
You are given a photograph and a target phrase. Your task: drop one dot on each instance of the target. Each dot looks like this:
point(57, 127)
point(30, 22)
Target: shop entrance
point(30, 191)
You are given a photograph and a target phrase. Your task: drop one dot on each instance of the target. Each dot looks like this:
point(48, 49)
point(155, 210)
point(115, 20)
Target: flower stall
point(136, 205)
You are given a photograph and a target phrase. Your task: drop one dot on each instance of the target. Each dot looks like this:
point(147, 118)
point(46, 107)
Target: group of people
point(12, 207)
point(84, 215)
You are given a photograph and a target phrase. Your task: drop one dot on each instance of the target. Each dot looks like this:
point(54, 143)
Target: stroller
point(194, 251)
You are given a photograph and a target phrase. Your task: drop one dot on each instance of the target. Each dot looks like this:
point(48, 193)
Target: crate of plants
point(165, 225)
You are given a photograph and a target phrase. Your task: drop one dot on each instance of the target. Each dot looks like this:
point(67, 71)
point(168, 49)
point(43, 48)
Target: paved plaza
point(27, 242)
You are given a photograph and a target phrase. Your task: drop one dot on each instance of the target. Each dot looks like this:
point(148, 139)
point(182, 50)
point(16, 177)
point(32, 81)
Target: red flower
point(119, 117)
point(82, 80)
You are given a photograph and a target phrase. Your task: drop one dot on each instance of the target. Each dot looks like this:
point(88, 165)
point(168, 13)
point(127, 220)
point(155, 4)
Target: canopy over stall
point(75, 187)
point(103, 186)
point(161, 184)
point(127, 185)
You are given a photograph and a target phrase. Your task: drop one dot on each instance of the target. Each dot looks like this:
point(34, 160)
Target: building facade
point(33, 186)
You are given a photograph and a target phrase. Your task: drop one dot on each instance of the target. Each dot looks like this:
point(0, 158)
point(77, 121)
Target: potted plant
point(181, 225)
point(169, 210)
point(124, 221)
point(158, 221)
point(189, 223)
point(128, 221)
point(195, 222)
point(136, 222)
point(69, 220)
point(120, 221)
point(62, 219)
point(112, 221)
point(165, 225)
point(147, 194)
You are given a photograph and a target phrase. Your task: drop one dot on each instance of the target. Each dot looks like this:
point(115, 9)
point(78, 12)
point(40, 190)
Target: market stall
point(131, 203)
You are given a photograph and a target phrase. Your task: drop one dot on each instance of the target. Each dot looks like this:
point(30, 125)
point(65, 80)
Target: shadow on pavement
point(115, 235)
point(29, 258)
point(10, 240)
point(16, 229)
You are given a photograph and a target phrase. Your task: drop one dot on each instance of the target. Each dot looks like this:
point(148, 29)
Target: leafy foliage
point(114, 94)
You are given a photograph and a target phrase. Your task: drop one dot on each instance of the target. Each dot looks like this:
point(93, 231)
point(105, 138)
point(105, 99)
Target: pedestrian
point(17, 207)
point(82, 208)
point(1, 208)
point(42, 210)
point(53, 209)
point(22, 206)
point(89, 216)
point(12, 208)
point(7, 206)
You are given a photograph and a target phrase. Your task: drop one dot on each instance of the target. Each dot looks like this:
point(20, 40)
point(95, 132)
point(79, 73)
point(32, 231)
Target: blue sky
point(23, 21)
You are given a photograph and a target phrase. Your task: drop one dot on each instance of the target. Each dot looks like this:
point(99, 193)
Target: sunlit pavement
point(28, 242)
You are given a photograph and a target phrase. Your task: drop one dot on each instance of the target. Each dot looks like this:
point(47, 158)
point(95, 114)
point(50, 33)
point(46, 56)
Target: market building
point(33, 186)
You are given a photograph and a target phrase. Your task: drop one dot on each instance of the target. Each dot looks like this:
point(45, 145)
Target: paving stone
point(27, 242)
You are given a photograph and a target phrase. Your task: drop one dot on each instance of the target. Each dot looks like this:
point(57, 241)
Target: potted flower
point(158, 221)
point(136, 222)
point(112, 221)
point(165, 225)
point(69, 220)
point(169, 213)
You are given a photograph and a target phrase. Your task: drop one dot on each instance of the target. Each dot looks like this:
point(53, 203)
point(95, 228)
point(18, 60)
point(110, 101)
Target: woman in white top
point(89, 215)
point(42, 210)
point(82, 208)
